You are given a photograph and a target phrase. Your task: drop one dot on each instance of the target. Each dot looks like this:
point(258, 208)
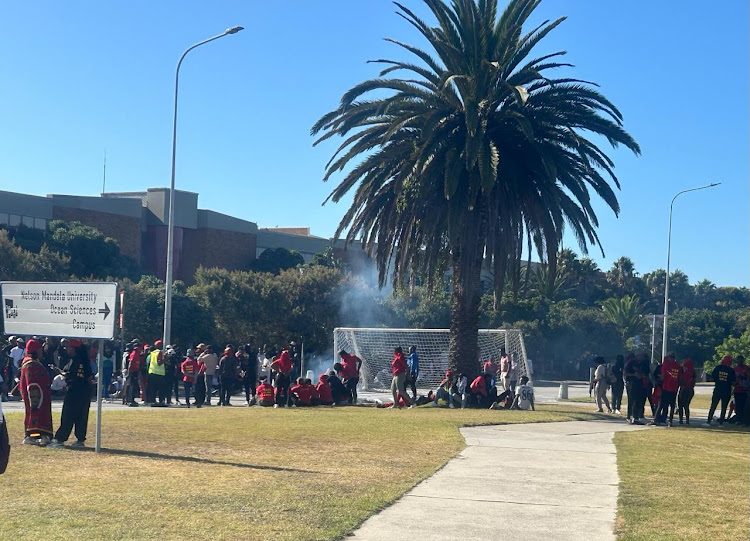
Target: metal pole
point(666, 280)
point(99, 385)
point(653, 336)
point(170, 226)
point(122, 329)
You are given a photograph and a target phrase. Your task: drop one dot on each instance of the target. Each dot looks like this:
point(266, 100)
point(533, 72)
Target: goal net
point(375, 348)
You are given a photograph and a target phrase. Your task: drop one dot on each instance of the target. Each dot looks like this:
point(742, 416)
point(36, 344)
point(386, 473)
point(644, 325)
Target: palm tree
point(622, 275)
point(626, 313)
point(474, 151)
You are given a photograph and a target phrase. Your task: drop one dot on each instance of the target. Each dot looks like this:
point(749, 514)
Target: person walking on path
point(670, 377)
point(618, 384)
point(600, 385)
point(34, 384)
point(75, 410)
point(211, 360)
point(723, 377)
point(399, 367)
point(688, 378)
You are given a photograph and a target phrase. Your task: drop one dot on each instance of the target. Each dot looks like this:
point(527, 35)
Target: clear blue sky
point(79, 77)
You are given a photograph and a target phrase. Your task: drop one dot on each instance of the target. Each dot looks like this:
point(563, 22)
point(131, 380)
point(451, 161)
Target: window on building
point(40, 223)
point(4, 218)
point(28, 221)
point(15, 219)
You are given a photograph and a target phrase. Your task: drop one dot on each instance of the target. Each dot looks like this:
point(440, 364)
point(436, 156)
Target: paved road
point(545, 481)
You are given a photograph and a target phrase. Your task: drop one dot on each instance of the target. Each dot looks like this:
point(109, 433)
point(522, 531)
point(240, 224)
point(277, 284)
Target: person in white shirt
point(524, 399)
point(601, 385)
point(17, 354)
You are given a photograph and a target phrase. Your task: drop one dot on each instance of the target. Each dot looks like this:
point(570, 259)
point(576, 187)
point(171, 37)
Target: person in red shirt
point(135, 361)
point(688, 378)
point(670, 383)
point(398, 384)
point(325, 398)
point(34, 385)
point(301, 393)
point(264, 392)
point(740, 388)
point(479, 389)
point(283, 367)
point(491, 368)
point(350, 365)
point(189, 369)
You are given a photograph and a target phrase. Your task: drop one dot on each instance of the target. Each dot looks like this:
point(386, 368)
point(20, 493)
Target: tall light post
point(170, 226)
point(669, 249)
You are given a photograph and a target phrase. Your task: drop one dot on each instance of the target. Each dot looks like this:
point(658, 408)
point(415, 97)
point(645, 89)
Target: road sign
point(72, 309)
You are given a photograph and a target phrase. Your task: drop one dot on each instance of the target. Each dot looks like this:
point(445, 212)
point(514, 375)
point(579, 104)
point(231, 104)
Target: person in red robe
point(34, 386)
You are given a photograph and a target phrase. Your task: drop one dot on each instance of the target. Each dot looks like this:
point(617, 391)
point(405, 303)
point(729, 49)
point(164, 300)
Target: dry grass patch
point(683, 483)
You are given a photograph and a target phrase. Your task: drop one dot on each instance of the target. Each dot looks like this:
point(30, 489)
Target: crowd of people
point(669, 386)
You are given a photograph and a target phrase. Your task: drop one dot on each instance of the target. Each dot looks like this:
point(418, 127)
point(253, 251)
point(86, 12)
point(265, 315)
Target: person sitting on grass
point(443, 391)
point(301, 393)
point(479, 390)
point(264, 392)
point(524, 399)
point(323, 389)
point(688, 378)
point(460, 389)
point(339, 393)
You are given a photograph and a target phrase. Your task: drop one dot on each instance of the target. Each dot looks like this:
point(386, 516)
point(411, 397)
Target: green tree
point(623, 276)
point(733, 346)
point(696, 333)
point(19, 264)
point(275, 260)
point(626, 313)
point(326, 258)
point(478, 148)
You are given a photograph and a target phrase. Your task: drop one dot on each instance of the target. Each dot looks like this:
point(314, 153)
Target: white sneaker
point(54, 444)
point(247, 403)
point(28, 441)
point(44, 441)
point(451, 406)
point(275, 406)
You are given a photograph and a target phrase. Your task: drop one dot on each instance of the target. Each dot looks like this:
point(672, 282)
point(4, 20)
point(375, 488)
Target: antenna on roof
point(104, 176)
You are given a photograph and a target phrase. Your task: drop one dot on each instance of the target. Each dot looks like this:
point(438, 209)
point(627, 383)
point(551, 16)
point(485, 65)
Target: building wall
point(126, 230)
point(208, 247)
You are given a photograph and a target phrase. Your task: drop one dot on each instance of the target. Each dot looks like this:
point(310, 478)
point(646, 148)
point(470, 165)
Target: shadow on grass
point(197, 460)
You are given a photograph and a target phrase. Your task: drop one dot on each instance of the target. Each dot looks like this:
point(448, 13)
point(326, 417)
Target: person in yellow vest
point(157, 376)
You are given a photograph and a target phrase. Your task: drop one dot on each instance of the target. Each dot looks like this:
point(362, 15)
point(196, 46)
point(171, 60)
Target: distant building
point(138, 221)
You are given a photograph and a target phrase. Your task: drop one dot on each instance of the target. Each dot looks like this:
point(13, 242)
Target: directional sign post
point(63, 309)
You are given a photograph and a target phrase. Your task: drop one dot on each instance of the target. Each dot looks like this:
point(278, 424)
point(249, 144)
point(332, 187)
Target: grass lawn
point(234, 473)
point(700, 401)
point(683, 484)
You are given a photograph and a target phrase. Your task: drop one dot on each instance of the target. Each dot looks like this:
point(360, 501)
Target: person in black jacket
point(75, 410)
point(632, 377)
point(249, 373)
point(618, 384)
point(723, 377)
point(339, 392)
point(227, 372)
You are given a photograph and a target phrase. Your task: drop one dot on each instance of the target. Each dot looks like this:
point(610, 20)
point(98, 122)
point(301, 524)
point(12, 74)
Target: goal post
point(375, 347)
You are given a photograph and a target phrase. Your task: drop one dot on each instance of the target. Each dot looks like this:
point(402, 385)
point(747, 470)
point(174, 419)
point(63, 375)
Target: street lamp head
point(234, 30)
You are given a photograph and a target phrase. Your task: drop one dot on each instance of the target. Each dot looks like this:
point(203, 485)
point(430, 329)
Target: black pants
point(683, 402)
point(75, 412)
point(156, 388)
point(634, 399)
point(225, 391)
point(412, 384)
point(248, 384)
point(133, 388)
point(282, 389)
point(617, 388)
point(173, 386)
point(351, 386)
point(188, 387)
point(739, 406)
point(667, 401)
point(724, 398)
point(200, 390)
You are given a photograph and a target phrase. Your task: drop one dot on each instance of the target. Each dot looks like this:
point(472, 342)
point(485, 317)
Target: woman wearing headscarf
point(34, 385)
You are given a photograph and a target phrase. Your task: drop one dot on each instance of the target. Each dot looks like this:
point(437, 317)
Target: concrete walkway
point(543, 481)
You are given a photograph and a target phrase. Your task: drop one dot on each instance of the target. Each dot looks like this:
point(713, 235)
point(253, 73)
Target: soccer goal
point(375, 348)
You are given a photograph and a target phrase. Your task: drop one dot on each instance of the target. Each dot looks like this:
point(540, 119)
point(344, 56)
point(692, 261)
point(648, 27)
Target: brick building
point(138, 221)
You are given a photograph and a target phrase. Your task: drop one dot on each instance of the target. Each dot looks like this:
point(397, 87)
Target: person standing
point(600, 385)
point(740, 388)
point(296, 361)
point(490, 367)
point(108, 368)
point(211, 361)
point(505, 371)
point(283, 367)
point(16, 355)
point(189, 370)
point(157, 376)
point(618, 384)
point(350, 366)
point(135, 362)
point(399, 368)
point(688, 378)
point(413, 364)
point(632, 378)
point(670, 383)
point(248, 373)
point(34, 384)
point(200, 384)
point(228, 370)
point(75, 409)
point(723, 377)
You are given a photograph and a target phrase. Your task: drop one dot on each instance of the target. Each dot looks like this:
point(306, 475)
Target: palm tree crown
point(473, 152)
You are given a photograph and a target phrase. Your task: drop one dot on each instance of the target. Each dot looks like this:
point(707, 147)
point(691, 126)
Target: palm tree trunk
point(467, 256)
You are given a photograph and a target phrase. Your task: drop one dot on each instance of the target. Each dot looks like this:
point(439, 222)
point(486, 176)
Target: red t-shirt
point(490, 367)
point(740, 374)
point(478, 386)
point(303, 393)
point(134, 361)
point(349, 364)
point(283, 364)
point(189, 369)
point(265, 392)
point(670, 373)
point(688, 376)
point(324, 392)
point(399, 364)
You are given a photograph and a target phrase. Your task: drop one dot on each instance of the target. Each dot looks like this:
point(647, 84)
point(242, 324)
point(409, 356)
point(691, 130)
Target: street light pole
point(669, 249)
point(170, 226)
